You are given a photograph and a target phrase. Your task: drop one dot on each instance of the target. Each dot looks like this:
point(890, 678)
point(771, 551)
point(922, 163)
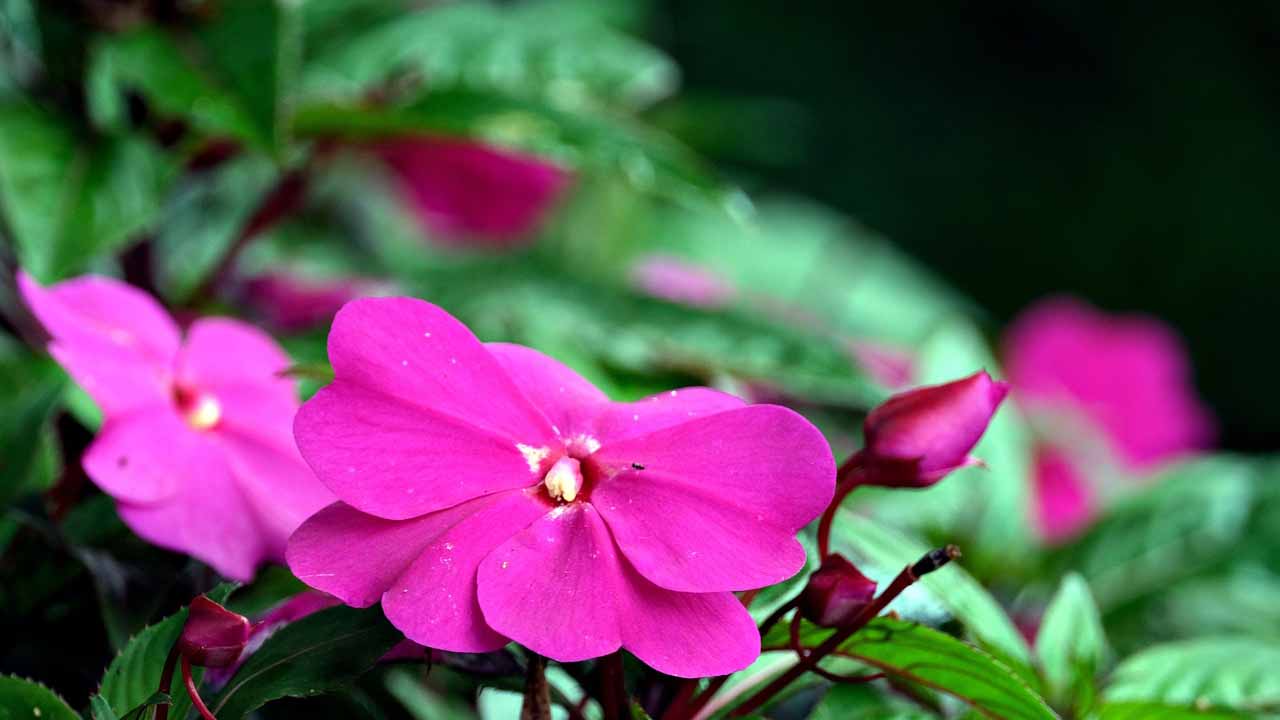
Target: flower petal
point(114, 339)
point(396, 460)
point(568, 400)
point(688, 635)
point(719, 499)
point(355, 556)
point(208, 518)
point(240, 366)
point(412, 350)
point(561, 588)
point(434, 601)
point(142, 457)
point(673, 407)
point(278, 484)
point(554, 587)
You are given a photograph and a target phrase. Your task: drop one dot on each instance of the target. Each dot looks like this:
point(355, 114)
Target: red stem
point(614, 692)
point(930, 562)
point(166, 680)
point(193, 693)
point(848, 477)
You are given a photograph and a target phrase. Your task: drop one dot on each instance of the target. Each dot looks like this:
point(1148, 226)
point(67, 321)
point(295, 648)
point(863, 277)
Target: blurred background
point(1125, 152)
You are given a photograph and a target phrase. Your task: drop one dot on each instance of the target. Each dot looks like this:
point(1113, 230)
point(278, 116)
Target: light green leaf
point(1153, 711)
point(311, 656)
point(1071, 643)
point(1231, 672)
point(552, 51)
point(65, 202)
point(26, 700)
point(870, 543)
point(935, 660)
point(424, 703)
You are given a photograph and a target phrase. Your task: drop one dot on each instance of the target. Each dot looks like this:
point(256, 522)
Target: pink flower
point(679, 281)
point(1124, 380)
point(490, 494)
point(195, 444)
point(915, 438)
point(463, 189)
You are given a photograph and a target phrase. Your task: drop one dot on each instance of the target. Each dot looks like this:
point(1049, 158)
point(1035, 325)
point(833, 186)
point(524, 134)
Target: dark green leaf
point(1071, 643)
point(1231, 672)
point(553, 51)
point(865, 702)
point(935, 660)
point(65, 202)
point(30, 388)
point(134, 675)
point(26, 700)
point(314, 655)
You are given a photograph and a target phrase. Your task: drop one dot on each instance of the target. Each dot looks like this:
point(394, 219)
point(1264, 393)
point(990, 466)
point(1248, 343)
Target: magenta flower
point(195, 444)
point(466, 190)
point(490, 494)
point(293, 302)
point(1081, 376)
point(915, 438)
point(679, 281)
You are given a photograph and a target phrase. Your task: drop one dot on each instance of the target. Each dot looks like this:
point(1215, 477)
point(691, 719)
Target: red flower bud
point(836, 593)
point(213, 636)
point(915, 438)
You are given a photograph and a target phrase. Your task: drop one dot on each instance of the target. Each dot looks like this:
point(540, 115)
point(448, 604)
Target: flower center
point(200, 410)
point(564, 480)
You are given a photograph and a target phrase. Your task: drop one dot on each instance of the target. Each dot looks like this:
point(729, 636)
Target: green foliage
point(23, 699)
point(30, 388)
point(64, 201)
point(924, 656)
point(1236, 673)
point(1071, 643)
point(317, 654)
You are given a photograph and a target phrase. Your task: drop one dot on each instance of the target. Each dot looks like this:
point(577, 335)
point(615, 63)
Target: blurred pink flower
point(490, 494)
point(915, 438)
point(464, 190)
point(293, 302)
point(1124, 379)
point(892, 367)
point(679, 281)
point(195, 444)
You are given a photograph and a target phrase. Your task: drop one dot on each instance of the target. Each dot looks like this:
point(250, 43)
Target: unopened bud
point(836, 593)
point(213, 636)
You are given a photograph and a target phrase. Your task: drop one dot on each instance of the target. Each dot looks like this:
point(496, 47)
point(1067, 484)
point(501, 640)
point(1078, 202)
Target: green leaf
point(557, 52)
point(100, 709)
point(65, 202)
point(1189, 520)
point(424, 703)
point(317, 654)
point(1148, 711)
point(25, 700)
point(935, 660)
point(1071, 643)
point(30, 388)
point(234, 80)
point(134, 675)
point(1232, 672)
point(870, 543)
point(864, 702)
point(650, 161)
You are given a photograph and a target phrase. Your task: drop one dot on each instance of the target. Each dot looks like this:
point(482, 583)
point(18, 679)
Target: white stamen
point(564, 480)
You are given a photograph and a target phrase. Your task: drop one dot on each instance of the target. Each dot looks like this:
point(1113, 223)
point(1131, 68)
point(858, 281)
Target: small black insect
point(636, 466)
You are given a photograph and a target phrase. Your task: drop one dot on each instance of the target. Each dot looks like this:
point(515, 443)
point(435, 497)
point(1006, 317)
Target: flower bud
point(836, 593)
point(915, 438)
point(213, 636)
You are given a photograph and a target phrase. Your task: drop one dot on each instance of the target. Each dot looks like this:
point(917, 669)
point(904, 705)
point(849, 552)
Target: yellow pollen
point(564, 480)
point(206, 413)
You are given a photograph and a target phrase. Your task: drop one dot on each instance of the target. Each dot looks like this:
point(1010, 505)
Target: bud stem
point(848, 477)
point(166, 680)
point(193, 693)
point(933, 560)
point(537, 694)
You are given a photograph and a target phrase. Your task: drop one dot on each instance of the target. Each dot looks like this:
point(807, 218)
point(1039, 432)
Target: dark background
point(1125, 152)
